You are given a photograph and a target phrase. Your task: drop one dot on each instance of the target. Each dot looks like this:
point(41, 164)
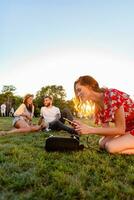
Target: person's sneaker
point(44, 126)
point(48, 129)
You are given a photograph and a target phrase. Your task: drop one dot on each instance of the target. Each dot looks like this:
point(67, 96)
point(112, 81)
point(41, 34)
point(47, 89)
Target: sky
point(53, 42)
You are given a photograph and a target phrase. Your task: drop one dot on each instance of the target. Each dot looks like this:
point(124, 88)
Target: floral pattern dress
point(113, 99)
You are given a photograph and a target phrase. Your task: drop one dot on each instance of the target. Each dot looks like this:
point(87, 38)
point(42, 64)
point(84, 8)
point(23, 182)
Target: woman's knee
point(21, 124)
point(109, 146)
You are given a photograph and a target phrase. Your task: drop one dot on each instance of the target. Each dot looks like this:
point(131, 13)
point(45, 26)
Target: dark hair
point(88, 81)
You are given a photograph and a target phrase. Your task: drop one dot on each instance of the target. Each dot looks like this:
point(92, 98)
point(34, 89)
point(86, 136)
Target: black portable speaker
point(55, 143)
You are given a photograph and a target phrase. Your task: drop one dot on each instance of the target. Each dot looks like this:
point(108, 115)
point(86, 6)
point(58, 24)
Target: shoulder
point(43, 108)
point(56, 108)
point(22, 105)
point(114, 98)
point(114, 91)
point(20, 109)
point(111, 91)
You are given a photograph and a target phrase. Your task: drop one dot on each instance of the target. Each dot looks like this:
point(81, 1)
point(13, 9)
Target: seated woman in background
point(113, 106)
point(22, 121)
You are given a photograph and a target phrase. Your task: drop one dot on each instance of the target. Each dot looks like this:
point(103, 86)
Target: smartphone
point(72, 123)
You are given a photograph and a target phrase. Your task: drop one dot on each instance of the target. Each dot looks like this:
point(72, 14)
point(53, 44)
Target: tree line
point(8, 97)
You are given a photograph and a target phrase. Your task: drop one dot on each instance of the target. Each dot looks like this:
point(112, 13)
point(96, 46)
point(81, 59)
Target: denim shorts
point(17, 118)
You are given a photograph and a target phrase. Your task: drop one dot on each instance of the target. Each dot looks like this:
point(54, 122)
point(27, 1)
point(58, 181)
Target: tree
point(8, 89)
point(7, 96)
point(16, 101)
point(70, 105)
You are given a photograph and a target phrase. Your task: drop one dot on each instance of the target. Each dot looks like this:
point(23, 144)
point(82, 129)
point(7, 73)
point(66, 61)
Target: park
point(27, 171)
point(71, 57)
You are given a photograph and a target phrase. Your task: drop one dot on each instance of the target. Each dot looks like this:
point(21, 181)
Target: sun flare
point(86, 109)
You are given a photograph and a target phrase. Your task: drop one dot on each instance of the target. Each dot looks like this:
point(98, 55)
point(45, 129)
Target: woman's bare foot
point(2, 133)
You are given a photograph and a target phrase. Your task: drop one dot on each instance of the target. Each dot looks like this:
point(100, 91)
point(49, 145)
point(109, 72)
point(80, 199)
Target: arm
point(118, 129)
point(22, 111)
point(41, 117)
point(58, 114)
point(29, 117)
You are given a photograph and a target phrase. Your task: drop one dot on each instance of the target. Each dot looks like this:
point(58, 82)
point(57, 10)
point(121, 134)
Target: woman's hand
point(26, 116)
point(82, 128)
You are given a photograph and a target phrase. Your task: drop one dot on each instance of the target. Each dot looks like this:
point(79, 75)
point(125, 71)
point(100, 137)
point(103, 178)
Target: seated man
point(53, 118)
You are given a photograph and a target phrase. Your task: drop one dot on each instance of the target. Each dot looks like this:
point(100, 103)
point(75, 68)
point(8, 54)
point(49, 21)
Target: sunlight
point(84, 109)
point(63, 66)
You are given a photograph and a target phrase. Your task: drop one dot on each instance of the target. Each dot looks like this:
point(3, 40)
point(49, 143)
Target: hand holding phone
point(69, 121)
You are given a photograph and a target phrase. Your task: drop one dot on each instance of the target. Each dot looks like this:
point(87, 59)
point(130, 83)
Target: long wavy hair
point(89, 81)
point(28, 106)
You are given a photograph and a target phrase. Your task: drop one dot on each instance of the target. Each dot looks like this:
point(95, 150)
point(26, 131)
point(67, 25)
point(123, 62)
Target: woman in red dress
point(111, 105)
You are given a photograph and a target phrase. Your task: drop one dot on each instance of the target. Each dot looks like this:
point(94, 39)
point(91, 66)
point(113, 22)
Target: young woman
point(22, 121)
point(113, 106)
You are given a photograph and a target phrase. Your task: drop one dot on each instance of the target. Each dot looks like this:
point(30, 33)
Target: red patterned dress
point(113, 99)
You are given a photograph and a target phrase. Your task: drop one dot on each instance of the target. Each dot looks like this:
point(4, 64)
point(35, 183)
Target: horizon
point(53, 43)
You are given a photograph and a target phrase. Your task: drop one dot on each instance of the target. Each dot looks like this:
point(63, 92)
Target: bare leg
point(103, 141)
point(22, 126)
point(25, 129)
point(123, 144)
point(128, 151)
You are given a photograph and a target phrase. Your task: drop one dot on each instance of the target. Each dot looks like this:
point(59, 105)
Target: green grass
point(27, 171)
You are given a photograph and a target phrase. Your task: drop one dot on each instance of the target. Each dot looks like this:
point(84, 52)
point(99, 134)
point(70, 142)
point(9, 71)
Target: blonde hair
point(26, 97)
point(29, 107)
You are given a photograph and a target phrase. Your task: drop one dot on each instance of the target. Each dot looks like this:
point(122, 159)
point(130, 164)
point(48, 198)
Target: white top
point(22, 110)
point(3, 107)
point(50, 114)
point(12, 110)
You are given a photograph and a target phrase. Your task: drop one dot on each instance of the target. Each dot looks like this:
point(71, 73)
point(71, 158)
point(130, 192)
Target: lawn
point(27, 171)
